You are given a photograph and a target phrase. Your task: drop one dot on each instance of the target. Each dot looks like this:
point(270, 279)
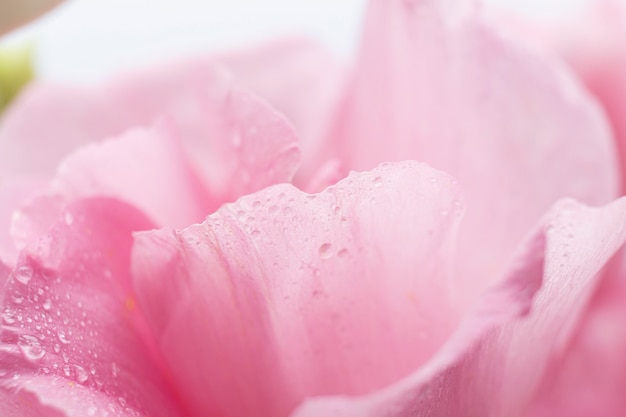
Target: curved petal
point(145, 167)
point(296, 76)
point(71, 333)
point(589, 377)
point(284, 295)
point(434, 83)
point(493, 364)
point(223, 128)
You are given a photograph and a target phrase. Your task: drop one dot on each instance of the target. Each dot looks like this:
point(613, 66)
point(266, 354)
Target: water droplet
point(30, 347)
point(115, 370)
point(47, 305)
point(17, 299)
point(23, 274)
point(8, 317)
point(62, 337)
point(325, 251)
point(81, 374)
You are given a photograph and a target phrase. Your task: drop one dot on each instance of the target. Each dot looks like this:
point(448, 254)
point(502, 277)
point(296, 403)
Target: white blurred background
point(84, 40)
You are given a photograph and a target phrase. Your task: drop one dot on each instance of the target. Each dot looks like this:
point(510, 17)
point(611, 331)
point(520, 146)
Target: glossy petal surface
point(435, 83)
point(285, 295)
point(71, 332)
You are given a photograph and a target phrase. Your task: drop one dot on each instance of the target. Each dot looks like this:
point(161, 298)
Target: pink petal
point(588, 379)
point(71, 332)
point(13, 193)
point(296, 76)
point(494, 362)
point(284, 295)
point(593, 46)
point(224, 130)
point(435, 84)
point(146, 167)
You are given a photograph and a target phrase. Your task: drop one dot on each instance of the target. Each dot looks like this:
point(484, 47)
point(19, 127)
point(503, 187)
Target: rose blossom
point(400, 290)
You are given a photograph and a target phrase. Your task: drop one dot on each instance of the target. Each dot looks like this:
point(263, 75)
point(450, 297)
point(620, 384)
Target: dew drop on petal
point(115, 370)
point(81, 374)
point(62, 337)
point(30, 347)
point(23, 274)
point(325, 251)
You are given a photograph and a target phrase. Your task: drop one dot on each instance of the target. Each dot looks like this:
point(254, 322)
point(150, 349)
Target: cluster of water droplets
point(54, 332)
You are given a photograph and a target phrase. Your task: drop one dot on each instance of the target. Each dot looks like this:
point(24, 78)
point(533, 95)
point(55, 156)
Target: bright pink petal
point(589, 378)
point(284, 295)
point(14, 192)
point(434, 83)
point(234, 140)
point(296, 76)
point(71, 332)
point(494, 362)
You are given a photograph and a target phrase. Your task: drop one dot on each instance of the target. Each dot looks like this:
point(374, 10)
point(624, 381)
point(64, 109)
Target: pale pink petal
point(435, 83)
point(593, 45)
point(71, 331)
point(588, 379)
point(235, 141)
point(494, 362)
point(285, 295)
point(296, 76)
point(145, 167)
point(14, 192)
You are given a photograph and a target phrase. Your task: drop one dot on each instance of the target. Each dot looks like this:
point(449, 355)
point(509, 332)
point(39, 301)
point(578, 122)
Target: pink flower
point(480, 286)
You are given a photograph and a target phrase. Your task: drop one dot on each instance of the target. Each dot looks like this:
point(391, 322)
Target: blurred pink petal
point(71, 331)
point(434, 83)
point(296, 76)
point(284, 295)
point(594, 47)
point(13, 193)
point(235, 142)
point(494, 362)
